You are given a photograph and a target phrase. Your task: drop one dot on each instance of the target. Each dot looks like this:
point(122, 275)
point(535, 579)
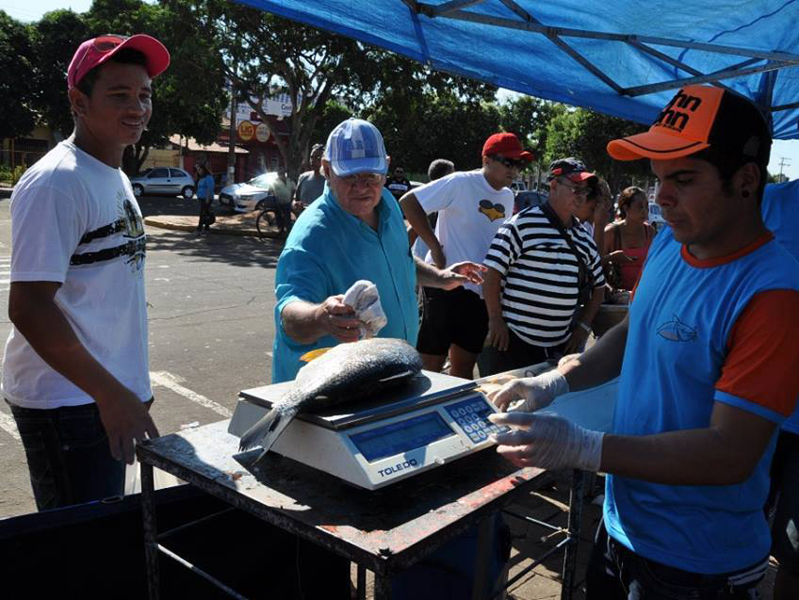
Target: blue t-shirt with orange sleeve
point(723, 330)
point(780, 208)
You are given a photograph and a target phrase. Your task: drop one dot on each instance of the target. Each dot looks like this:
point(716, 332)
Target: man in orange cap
point(75, 370)
point(471, 206)
point(707, 357)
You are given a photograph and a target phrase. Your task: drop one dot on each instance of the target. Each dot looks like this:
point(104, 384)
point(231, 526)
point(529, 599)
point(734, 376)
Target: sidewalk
point(226, 224)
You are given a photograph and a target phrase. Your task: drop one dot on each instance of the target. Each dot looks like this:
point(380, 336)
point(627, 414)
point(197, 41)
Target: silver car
point(244, 197)
point(164, 181)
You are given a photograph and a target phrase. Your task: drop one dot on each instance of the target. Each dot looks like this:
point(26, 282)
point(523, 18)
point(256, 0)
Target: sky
point(32, 10)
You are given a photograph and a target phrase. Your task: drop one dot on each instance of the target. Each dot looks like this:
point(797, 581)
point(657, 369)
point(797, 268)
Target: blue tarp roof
point(620, 57)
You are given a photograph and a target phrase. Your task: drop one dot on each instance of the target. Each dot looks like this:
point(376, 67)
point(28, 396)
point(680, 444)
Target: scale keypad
point(472, 417)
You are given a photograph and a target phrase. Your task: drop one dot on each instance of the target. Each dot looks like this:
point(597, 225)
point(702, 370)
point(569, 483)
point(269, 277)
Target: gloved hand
point(547, 441)
point(537, 392)
point(364, 298)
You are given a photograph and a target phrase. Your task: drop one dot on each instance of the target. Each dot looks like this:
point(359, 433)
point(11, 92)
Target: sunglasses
point(364, 178)
point(510, 163)
point(577, 191)
point(108, 42)
point(103, 43)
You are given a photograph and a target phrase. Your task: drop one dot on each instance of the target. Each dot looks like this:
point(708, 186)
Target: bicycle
point(272, 214)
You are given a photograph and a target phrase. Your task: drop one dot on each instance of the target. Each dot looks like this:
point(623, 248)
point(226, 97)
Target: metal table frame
point(204, 458)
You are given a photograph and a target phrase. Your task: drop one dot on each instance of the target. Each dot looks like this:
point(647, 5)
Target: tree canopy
point(423, 114)
point(17, 91)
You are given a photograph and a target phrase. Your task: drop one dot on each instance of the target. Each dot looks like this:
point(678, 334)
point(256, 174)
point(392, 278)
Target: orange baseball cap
point(697, 118)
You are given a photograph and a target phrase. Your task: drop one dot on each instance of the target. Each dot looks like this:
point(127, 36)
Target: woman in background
point(627, 239)
point(205, 194)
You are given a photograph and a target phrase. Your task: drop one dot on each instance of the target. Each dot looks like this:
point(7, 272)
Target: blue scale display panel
point(472, 416)
point(401, 436)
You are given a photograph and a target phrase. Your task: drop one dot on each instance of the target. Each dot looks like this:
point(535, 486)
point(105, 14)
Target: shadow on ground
point(243, 251)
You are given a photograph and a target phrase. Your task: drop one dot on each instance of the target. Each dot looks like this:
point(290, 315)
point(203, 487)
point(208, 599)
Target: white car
point(244, 197)
point(656, 216)
point(163, 181)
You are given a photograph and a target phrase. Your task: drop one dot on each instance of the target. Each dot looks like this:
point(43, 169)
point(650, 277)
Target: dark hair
point(626, 198)
point(728, 165)
point(202, 170)
point(126, 56)
point(439, 168)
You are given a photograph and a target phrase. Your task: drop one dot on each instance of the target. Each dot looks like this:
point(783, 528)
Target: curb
point(162, 223)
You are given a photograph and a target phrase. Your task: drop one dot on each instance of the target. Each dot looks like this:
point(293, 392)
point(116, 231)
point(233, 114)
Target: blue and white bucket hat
point(356, 146)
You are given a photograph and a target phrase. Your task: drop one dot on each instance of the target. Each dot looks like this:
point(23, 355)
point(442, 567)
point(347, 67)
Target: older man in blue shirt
point(355, 231)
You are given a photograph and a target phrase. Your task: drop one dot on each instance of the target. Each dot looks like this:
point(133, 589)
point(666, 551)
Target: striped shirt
point(540, 276)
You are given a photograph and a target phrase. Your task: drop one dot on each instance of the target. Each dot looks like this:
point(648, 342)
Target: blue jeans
point(68, 455)
point(617, 573)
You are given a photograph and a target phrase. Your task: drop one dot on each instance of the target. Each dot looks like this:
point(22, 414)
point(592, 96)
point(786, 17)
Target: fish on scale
point(341, 374)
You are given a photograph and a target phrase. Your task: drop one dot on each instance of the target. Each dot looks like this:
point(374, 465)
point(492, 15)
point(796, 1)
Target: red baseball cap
point(97, 50)
point(700, 117)
point(506, 144)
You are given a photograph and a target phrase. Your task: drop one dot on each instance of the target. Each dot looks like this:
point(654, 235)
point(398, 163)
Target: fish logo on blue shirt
point(677, 331)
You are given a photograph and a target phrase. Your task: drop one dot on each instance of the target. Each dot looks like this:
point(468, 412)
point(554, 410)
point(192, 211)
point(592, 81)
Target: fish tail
point(266, 431)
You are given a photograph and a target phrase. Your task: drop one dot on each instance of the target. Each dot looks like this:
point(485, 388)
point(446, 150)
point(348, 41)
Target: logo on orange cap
point(699, 117)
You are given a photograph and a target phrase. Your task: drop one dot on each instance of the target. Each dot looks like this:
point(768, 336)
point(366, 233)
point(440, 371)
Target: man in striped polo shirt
point(535, 274)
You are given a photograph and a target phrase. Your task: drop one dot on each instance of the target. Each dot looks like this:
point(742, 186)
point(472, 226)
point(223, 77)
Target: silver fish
point(343, 373)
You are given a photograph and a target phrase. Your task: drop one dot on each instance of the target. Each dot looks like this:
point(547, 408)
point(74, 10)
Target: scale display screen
point(472, 416)
point(401, 436)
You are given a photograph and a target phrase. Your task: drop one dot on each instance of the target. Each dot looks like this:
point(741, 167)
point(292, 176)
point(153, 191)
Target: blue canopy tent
point(620, 57)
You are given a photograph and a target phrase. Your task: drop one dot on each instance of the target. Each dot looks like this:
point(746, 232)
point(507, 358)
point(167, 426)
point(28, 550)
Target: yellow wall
point(160, 157)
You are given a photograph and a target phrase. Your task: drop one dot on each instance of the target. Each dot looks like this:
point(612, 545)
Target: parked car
point(656, 219)
point(164, 181)
point(244, 197)
point(526, 199)
point(518, 186)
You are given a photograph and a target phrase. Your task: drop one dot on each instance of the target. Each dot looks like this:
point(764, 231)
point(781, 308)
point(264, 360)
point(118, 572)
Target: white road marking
point(269, 354)
point(9, 425)
point(171, 382)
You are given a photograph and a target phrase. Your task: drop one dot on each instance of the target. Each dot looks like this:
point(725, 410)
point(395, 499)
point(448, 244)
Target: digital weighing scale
point(433, 420)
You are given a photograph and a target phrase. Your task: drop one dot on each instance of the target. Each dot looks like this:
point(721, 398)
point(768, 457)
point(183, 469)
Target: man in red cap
point(707, 361)
point(471, 205)
point(75, 370)
point(544, 282)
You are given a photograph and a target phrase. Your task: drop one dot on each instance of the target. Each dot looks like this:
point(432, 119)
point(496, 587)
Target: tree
point(265, 55)
point(17, 97)
point(188, 98)
point(529, 118)
point(55, 37)
point(585, 134)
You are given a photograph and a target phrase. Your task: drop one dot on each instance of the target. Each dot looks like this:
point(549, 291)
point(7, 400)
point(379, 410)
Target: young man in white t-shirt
point(471, 206)
point(75, 370)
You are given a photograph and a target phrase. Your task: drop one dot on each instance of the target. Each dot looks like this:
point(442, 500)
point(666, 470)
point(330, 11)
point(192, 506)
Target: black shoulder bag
point(585, 278)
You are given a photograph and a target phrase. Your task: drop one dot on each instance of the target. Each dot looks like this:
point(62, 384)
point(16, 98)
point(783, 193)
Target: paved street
point(211, 328)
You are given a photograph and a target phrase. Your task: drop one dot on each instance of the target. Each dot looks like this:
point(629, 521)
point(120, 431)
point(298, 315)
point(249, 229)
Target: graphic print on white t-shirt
point(470, 212)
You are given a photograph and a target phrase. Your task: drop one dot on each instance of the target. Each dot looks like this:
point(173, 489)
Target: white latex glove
point(364, 298)
point(537, 392)
point(547, 442)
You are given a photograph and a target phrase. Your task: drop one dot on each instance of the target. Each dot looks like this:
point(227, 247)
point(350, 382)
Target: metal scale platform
point(433, 420)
